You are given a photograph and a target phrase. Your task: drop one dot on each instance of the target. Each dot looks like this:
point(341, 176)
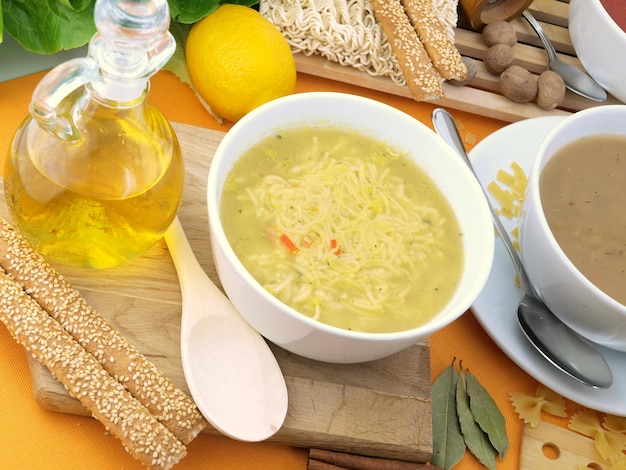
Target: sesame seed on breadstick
point(145, 438)
point(170, 405)
point(422, 79)
point(433, 35)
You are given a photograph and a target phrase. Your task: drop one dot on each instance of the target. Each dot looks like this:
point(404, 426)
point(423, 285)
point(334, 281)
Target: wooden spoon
point(231, 372)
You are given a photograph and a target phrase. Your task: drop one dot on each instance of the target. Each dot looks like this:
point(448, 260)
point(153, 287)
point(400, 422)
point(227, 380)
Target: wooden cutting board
point(381, 408)
point(550, 446)
point(483, 95)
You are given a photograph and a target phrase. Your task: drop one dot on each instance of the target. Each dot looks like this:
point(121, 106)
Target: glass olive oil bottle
point(95, 173)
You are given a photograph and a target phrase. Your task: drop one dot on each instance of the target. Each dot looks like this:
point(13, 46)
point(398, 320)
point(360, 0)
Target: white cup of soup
point(343, 229)
point(573, 224)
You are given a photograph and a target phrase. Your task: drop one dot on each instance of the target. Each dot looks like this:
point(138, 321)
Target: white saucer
point(496, 307)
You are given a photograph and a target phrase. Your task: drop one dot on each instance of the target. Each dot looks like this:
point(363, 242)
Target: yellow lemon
point(238, 60)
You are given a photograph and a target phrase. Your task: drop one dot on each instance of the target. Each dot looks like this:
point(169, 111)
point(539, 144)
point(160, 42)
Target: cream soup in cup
point(572, 233)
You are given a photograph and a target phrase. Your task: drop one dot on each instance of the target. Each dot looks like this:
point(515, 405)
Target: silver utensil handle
point(446, 127)
point(547, 44)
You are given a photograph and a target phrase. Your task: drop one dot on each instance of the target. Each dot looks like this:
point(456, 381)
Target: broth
point(344, 229)
point(583, 193)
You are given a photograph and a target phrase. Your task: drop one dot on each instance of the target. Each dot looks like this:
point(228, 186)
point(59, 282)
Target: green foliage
point(465, 416)
point(49, 26)
point(190, 11)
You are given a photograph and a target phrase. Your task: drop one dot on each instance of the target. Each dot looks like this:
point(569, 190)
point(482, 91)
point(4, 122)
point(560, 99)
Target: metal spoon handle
point(575, 79)
point(445, 126)
point(547, 44)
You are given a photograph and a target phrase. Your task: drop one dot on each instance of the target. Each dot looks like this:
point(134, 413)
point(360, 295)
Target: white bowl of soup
point(598, 32)
point(343, 229)
point(573, 224)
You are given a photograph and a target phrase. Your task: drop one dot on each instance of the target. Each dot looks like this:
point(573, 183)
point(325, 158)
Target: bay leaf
point(475, 439)
point(448, 443)
point(487, 414)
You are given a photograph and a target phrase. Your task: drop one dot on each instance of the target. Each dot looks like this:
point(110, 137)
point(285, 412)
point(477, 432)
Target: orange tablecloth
point(33, 438)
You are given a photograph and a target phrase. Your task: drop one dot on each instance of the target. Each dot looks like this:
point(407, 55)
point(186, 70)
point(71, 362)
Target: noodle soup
point(344, 229)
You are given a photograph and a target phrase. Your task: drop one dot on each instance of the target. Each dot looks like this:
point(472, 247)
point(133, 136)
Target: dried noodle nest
point(344, 31)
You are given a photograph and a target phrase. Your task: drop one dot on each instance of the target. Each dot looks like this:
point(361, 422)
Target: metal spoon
point(560, 345)
point(574, 78)
point(231, 372)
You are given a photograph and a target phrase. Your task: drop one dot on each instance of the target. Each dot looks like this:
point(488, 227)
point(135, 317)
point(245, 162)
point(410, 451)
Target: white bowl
point(600, 44)
point(294, 331)
point(570, 295)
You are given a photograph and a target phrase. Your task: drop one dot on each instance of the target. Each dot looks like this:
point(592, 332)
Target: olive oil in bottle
point(95, 174)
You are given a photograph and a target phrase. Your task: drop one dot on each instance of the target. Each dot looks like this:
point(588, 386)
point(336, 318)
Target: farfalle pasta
point(619, 464)
point(615, 423)
point(529, 408)
point(608, 434)
point(609, 444)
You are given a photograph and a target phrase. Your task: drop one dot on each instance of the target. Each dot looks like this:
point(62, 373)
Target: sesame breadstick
point(170, 405)
point(123, 415)
point(422, 79)
point(433, 35)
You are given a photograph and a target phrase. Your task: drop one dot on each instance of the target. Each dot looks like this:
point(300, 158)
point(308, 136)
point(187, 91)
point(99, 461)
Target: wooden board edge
point(462, 98)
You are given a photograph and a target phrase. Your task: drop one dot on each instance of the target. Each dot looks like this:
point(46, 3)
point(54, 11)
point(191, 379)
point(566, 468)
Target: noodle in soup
point(343, 228)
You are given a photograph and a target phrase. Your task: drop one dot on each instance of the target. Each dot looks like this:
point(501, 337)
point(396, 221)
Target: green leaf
point(1, 24)
point(48, 26)
point(487, 414)
point(247, 3)
point(190, 11)
point(78, 5)
point(476, 440)
point(448, 443)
